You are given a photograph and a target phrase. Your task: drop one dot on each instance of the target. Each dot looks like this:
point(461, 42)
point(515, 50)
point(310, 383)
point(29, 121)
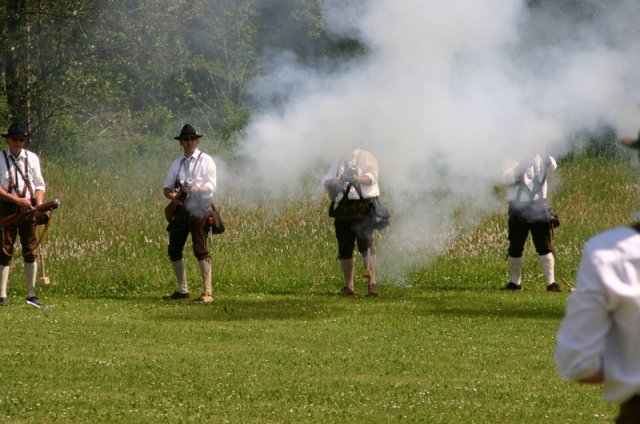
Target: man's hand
point(334, 186)
point(349, 179)
point(186, 188)
point(24, 203)
point(175, 199)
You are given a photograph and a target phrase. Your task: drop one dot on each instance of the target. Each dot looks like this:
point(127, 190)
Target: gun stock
point(15, 218)
point(182, 194)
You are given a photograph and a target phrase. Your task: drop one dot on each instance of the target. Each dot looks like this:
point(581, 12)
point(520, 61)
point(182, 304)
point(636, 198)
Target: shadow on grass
point(512, 311)
point(268, 308)
point(326, 306)
point(539, 306)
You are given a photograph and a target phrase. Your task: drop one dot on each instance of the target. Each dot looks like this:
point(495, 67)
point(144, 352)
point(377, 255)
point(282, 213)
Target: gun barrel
point(47, 206)
point(16, 217)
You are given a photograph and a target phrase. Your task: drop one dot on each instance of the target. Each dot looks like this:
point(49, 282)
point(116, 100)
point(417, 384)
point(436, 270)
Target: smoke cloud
point(445, 95)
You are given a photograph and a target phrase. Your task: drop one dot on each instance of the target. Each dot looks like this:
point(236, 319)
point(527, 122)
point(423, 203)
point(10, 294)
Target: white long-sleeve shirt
point(200, 167)
point(601, 326)
point(16, 171)
point(362, 163)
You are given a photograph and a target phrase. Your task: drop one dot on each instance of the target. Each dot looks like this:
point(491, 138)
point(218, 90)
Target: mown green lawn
point(413, 355)
point(442, 344)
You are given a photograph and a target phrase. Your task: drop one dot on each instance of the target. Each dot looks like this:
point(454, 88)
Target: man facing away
point(599, 338)
point(528, 213)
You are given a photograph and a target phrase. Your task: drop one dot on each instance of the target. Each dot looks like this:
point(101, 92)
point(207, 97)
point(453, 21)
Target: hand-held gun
point(182, 192)
point(38, 212)
point(184, 188)
point(349, 174)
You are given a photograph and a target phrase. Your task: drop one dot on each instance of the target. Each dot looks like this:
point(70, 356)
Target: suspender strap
point(184, 161)
point(359, 191)
point(11, 182)
point(13, 185)
point(537, 186)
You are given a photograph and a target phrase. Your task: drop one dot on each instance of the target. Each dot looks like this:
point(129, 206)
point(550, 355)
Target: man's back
point(600, 328)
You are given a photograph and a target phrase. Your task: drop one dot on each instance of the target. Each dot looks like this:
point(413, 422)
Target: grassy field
point(279, 346)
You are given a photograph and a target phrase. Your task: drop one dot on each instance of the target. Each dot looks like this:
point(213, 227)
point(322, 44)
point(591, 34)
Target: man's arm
point(39, 195)
point(361, 179)
point(20, 201)
point(581, 338)
point(172, 195)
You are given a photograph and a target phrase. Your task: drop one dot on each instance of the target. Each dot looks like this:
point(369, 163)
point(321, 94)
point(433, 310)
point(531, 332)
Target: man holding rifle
point(352, 185)
point(189, 186)
point(22, 188)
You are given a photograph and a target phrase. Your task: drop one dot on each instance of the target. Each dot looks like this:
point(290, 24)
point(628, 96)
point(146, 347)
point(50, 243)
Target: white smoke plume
point(446, 94)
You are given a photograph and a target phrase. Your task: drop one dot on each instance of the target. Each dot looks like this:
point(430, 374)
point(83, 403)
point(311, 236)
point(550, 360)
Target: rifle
point(37, 211)
point(182, 193)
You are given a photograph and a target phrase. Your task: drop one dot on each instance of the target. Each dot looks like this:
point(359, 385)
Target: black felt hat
point(188, 131)
point(16, 131)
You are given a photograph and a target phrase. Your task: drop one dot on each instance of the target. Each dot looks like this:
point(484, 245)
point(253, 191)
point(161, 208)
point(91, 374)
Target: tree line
point(123, 68)
point(77, 69)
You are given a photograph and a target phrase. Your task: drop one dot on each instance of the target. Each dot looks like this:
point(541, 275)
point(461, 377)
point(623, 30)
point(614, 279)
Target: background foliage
point(85, 68)
point(82, 69)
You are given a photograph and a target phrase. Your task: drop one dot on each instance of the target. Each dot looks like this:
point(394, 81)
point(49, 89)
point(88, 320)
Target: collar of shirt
point(21, 155)
point(193, 156)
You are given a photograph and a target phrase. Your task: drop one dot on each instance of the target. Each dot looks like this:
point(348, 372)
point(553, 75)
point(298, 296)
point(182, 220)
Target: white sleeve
point(332, 172)
point(581, 338)
point(38, 179)
point(211, 177)
point(170, 181)
point(371, 168)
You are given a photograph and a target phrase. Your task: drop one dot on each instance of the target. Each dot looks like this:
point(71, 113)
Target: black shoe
point(553, 287)
point(512, 286)
point(3, 301)
point(33, 301)
point(176, 295)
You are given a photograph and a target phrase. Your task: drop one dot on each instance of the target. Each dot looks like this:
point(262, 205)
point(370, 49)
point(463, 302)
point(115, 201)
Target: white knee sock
point(30, 272)
point(347, 271)
point(547, 263)
point(4, 279)
point(205, 270)
point(515, 266)
point(180, 269)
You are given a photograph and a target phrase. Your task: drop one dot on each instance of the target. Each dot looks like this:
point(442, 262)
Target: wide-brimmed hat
point(16, 131)
point(188, 131)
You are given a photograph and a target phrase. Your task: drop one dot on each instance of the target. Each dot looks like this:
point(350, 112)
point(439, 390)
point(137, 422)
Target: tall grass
point(278, 345)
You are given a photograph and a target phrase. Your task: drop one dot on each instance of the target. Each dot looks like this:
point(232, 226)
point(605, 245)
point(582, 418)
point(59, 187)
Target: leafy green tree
point(124, 68)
